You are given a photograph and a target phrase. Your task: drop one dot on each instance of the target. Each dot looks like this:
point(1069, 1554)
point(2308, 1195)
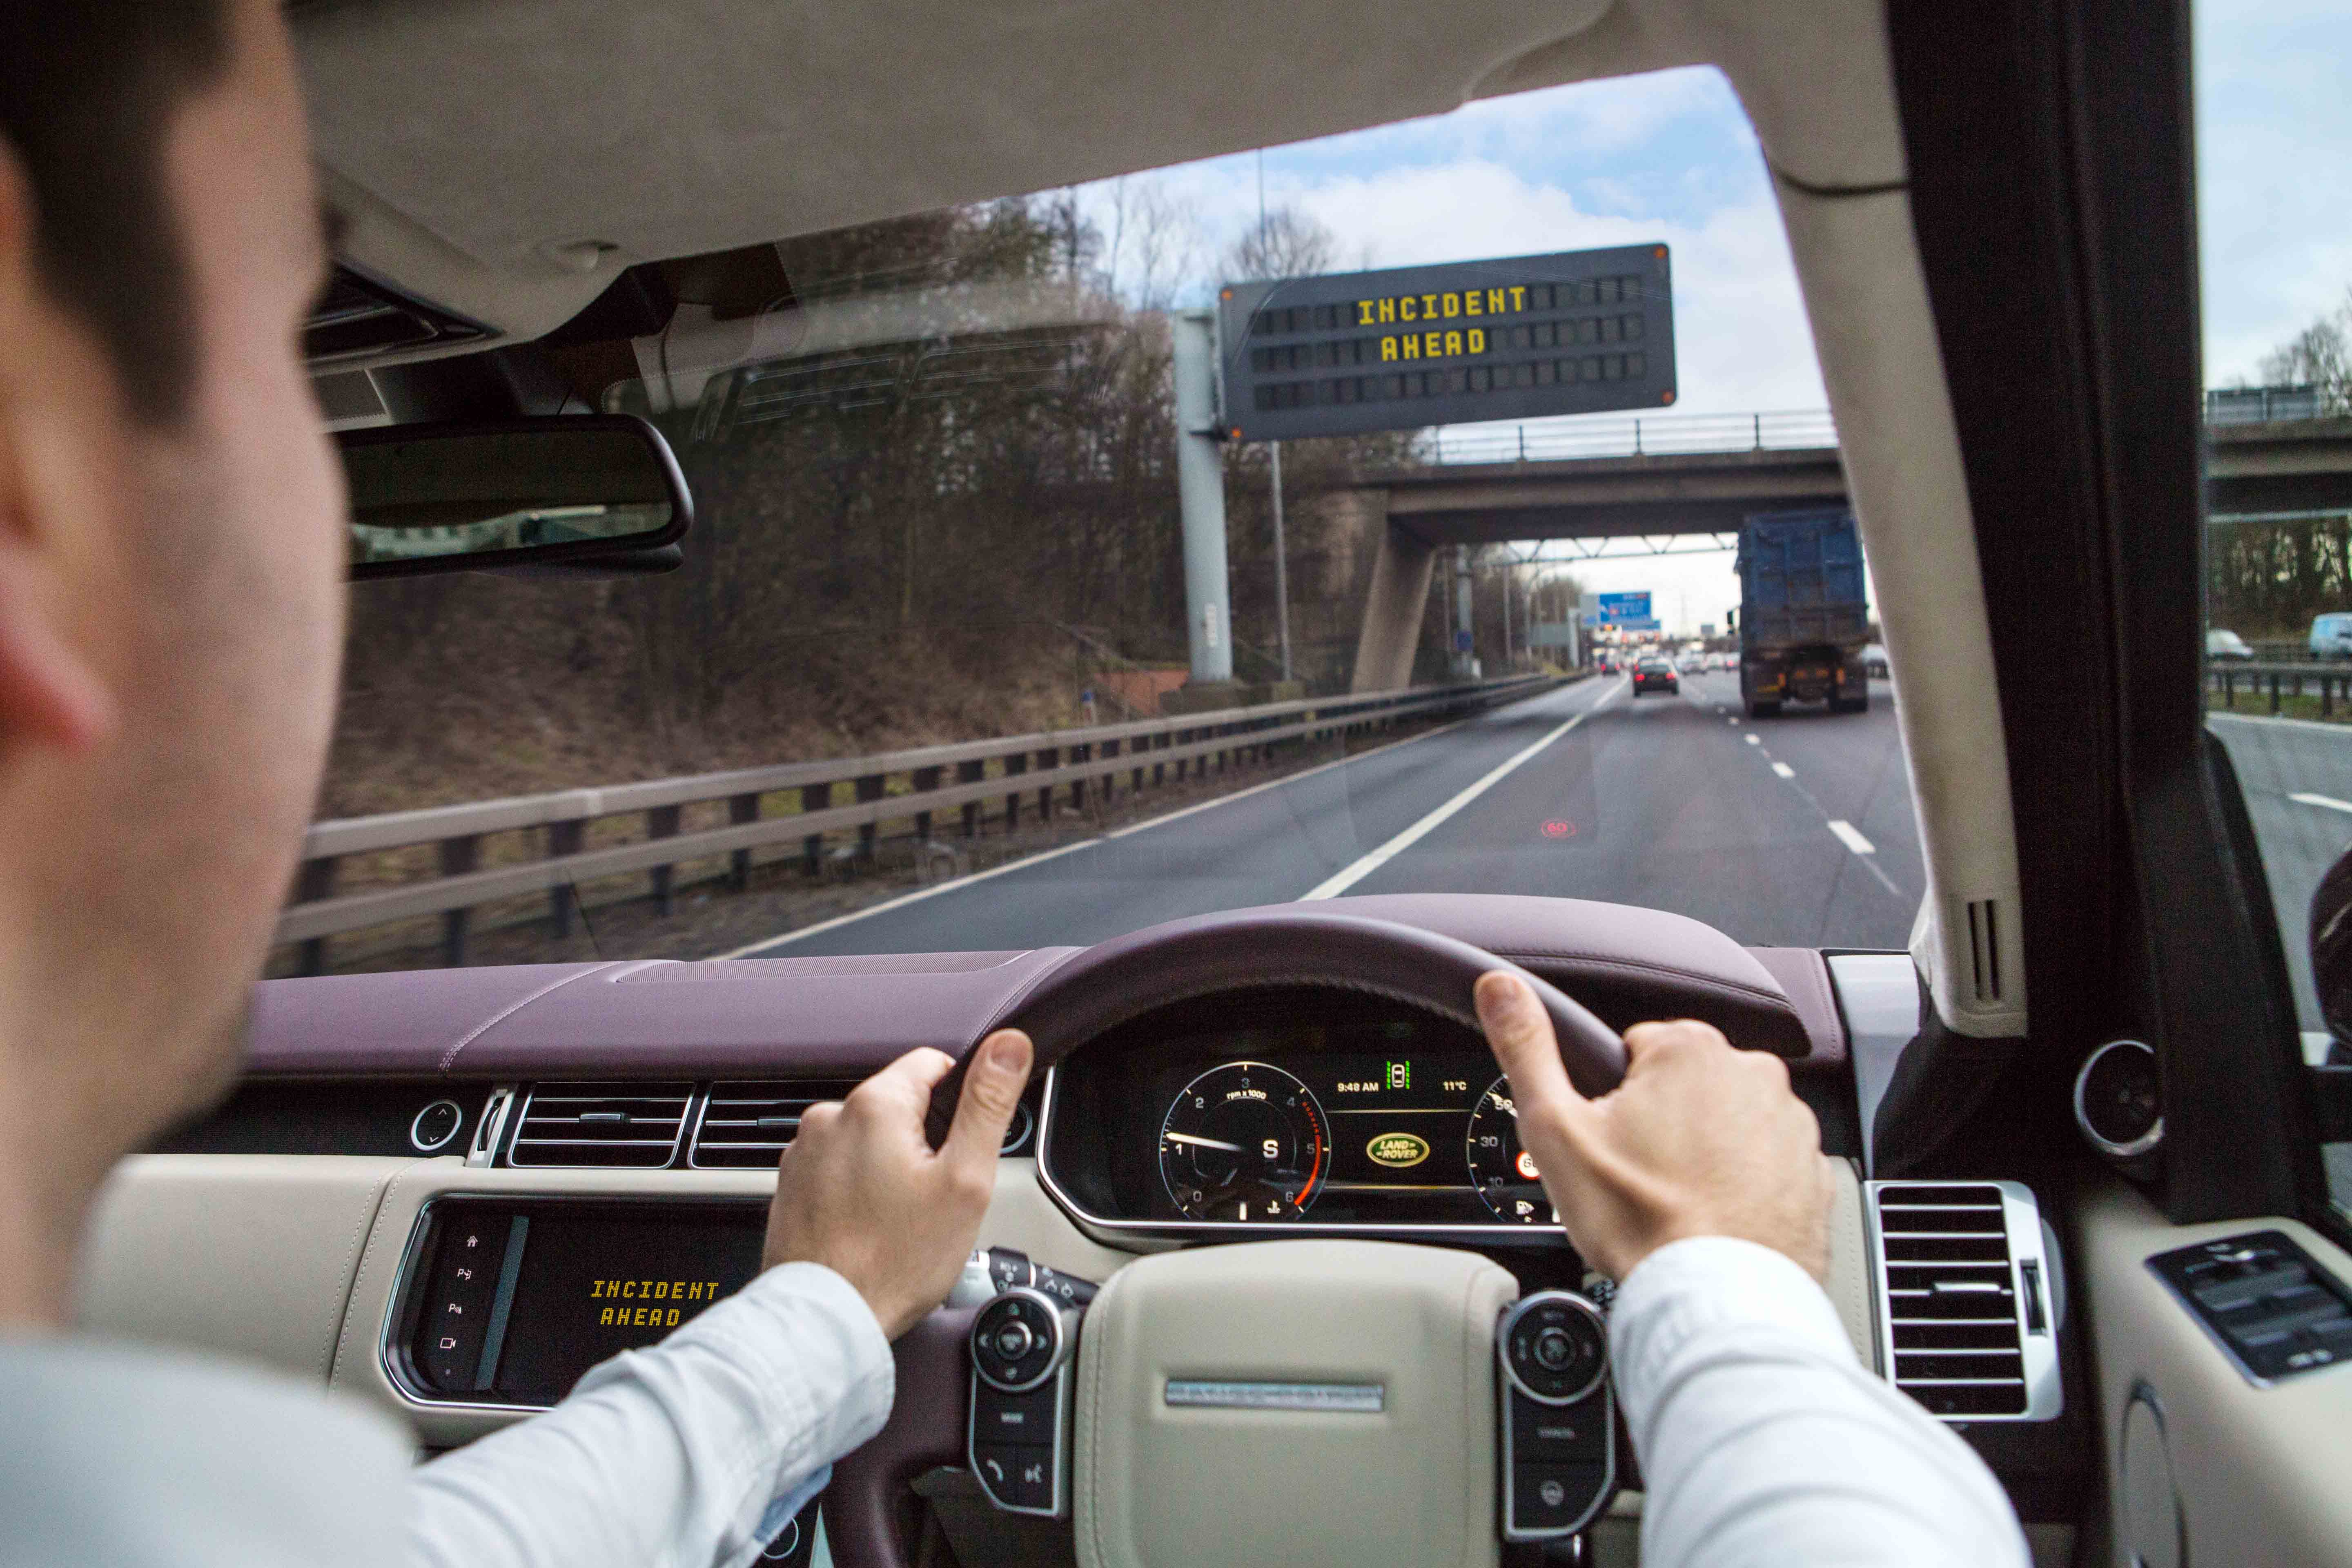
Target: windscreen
point(1289, 525)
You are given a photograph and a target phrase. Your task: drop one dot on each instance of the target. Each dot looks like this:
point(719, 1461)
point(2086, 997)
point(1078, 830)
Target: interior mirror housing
point(576, 493)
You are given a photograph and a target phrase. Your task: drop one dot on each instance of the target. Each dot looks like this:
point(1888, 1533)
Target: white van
point(2331, 636)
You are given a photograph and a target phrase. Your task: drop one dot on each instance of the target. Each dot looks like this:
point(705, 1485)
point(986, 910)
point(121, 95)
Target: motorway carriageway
point(1795, 831)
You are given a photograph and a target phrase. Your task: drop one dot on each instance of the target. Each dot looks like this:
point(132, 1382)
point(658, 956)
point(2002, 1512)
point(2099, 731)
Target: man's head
point(170, 566)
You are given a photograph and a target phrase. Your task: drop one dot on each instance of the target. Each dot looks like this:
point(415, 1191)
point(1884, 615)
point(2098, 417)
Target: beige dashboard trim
point(248, 1256)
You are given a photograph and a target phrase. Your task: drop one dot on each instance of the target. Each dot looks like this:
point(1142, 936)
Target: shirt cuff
point(819, 1346)
point(1703, 1284)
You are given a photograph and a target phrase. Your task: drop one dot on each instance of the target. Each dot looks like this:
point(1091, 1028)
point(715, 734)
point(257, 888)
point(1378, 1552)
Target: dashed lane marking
point(1851, 838)
point(1754, 739)
point(2326, 802)
point(1784, 770)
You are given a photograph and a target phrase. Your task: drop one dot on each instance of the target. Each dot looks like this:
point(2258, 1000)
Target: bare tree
point(1286, 243)
point(2320, 356)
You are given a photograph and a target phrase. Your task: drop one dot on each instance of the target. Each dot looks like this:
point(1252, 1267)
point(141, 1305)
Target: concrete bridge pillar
point(1394, 604)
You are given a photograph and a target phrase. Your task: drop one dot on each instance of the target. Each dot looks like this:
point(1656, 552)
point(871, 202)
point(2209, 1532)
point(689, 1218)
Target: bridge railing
point(2333, 682)
point(1638, 436)
point(543, 839)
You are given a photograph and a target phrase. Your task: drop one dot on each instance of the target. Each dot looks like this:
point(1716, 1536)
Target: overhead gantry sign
point(1581, 331)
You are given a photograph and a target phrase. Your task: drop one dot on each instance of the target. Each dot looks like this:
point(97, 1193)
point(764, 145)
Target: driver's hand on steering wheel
point(861, 1191)
point(1699, 1139)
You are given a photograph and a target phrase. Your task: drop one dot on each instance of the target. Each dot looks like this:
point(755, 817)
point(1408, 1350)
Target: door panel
point(2256, 1474)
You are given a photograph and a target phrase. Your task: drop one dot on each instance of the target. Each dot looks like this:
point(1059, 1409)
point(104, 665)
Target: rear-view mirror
point(583, 493)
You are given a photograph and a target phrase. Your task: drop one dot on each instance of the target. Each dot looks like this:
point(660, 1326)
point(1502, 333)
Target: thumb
point(1520, 1033)
point(992, 1092)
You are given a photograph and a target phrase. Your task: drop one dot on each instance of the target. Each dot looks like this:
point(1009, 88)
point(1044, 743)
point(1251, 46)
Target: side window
point(2275, 194)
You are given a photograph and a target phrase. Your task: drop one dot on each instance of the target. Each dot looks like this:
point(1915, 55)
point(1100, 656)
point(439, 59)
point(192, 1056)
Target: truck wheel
point(1851, 704)
point(1757, 709)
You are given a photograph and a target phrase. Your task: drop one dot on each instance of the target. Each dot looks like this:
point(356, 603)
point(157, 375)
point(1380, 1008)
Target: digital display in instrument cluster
point(1346, 1125)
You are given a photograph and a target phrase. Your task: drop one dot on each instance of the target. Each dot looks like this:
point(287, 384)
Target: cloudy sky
point(1670, 157)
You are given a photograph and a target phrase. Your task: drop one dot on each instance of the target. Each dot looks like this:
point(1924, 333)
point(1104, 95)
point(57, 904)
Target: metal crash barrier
point(797, 801)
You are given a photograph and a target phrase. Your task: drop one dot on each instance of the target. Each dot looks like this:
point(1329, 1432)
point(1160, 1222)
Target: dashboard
point(1291, 1109)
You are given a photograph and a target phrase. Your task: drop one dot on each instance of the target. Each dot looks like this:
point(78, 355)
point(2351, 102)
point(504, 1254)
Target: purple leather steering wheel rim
point(1296, 944)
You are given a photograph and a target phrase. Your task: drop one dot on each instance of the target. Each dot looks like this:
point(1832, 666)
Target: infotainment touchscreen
point(521, 1299)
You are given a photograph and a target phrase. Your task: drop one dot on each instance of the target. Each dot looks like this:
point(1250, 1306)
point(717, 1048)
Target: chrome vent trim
point(1968, 1299)
point(747, 1126)
point(600, 1126)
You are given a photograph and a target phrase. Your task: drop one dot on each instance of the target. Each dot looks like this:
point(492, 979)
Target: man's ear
point(50, 694)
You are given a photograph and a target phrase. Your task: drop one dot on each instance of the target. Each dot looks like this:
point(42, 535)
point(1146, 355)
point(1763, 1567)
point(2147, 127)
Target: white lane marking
point(903, 899)
point(919, 894)
point(1851, 838)
point(1784, 770)
point(2327, 801)
point(1333, 887)
point(1754, 739)
point(1733, 723)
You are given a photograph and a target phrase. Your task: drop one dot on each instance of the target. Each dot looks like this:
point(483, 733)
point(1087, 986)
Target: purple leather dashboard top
point(846, 1017)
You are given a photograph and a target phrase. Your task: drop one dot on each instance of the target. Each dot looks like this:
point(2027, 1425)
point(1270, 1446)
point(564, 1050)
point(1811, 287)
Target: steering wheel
point(1122, 979)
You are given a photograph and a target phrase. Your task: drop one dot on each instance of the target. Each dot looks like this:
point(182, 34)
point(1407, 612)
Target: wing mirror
point(2331, 952)
point(588, 495)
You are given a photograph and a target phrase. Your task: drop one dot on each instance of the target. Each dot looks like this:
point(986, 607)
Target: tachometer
point(1502, 1170)
point(1244, 1142)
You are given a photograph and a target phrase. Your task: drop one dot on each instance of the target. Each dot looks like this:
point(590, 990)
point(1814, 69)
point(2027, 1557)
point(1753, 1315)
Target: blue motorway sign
point(1618, 609)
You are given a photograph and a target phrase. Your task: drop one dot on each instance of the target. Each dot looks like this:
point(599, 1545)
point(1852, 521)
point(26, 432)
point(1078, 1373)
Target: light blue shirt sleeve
point(691, 1453)
point(1763, 1440)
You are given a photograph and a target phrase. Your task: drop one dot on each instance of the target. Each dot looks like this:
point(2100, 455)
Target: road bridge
point(1657, 477)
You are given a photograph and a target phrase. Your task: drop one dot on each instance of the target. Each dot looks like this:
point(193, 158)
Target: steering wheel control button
point(1000, 1417)
point(1016, 1341)
point(1559, 1420)
point(1554, 1347)
point(1021, 1356)
point(1554, 1432)
point(1556, 1499)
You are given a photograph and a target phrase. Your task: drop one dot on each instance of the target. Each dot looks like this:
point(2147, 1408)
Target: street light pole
point(1281, 563)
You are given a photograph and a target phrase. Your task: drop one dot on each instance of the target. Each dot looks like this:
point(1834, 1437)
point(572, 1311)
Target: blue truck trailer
point(1804, 618)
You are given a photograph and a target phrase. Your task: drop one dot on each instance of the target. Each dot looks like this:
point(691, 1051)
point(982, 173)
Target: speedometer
point(1244, 1141)
point(1500, 1168)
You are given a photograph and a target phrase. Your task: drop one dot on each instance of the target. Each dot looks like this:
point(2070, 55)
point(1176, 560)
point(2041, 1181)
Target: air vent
point(1984, 948)
point(631, 1126)
point(1967, 1301)
point(745, 1126)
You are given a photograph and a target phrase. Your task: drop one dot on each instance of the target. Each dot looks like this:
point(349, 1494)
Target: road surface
point(2297, 779)
point(1794, 831)
point(1789, 831)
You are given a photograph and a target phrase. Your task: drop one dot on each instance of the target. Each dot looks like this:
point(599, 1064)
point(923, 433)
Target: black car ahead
point(1655, 675)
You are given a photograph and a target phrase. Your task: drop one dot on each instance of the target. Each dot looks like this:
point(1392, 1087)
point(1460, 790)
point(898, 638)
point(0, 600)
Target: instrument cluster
point(1321, 1110)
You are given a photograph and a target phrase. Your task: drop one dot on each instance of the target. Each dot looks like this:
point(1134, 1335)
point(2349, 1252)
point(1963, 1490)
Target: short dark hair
point(87, 91)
